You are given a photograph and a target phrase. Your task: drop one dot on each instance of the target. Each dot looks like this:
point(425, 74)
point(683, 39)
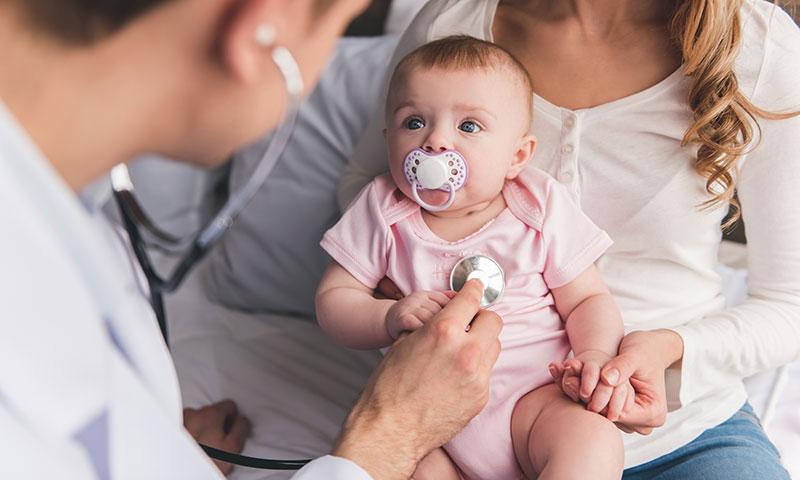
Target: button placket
point(570, 140)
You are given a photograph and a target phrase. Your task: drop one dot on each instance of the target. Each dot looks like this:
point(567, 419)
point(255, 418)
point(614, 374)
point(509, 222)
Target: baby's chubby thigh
point(556, 438)
point(484, 450)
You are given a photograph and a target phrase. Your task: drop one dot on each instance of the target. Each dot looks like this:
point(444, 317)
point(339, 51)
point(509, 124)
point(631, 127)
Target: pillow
point(270, 260)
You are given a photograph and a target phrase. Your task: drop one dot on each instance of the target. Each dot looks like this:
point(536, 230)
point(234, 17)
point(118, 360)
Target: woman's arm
point(764, 331)
point(348, 312)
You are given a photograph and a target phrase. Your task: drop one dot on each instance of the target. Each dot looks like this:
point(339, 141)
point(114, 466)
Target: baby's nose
point(436, 142)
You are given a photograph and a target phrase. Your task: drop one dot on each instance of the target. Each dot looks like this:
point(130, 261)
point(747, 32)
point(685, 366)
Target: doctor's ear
point(521, 157)
point(251, 29)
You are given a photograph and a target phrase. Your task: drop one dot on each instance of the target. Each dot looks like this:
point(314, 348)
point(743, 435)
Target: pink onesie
point(542, 241)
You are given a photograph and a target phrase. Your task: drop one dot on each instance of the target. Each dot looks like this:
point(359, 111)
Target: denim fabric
point(737, 449)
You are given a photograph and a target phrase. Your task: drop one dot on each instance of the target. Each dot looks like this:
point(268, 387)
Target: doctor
point(87, 387)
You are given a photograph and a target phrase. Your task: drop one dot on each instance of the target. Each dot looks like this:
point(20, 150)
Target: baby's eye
point(414, 123)
point(469, 127)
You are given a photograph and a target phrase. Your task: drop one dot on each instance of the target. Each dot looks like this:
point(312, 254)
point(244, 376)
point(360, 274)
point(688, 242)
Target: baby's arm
point(347, 311)
point(594, 327)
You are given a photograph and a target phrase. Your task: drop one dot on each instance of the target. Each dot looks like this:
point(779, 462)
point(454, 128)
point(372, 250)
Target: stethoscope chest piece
point(483, 268)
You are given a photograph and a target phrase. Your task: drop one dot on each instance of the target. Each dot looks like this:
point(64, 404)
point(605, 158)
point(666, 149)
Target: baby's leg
point(436, 466)
point(556, 438)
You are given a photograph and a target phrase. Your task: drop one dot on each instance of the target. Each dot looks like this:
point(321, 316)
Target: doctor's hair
point(83, 22)
point(462, 52)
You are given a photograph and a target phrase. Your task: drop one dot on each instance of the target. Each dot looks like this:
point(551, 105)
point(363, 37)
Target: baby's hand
point(579, 378)
point(413, 311)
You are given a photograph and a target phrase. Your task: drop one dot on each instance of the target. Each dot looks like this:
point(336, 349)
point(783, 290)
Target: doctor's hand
point(425, 390)
point(220, 426)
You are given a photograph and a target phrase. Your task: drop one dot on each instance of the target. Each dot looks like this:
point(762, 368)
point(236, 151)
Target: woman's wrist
point(671, 343)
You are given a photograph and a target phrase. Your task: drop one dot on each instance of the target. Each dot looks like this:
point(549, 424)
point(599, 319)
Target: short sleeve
point(572, 241)
point(360, 241)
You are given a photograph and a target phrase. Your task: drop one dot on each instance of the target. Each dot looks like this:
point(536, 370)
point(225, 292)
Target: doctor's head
point(191, 79)
point(464, 94)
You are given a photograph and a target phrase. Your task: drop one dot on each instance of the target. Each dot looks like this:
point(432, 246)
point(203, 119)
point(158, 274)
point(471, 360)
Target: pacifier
point(446, 171)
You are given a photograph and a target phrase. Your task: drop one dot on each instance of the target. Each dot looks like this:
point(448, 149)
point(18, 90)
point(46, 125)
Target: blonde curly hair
point(708, 33)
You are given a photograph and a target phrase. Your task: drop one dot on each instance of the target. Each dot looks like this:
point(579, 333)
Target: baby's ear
point(522, 156)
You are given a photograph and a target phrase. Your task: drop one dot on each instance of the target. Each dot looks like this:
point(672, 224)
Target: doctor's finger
point(486, 325)
point(464, 306)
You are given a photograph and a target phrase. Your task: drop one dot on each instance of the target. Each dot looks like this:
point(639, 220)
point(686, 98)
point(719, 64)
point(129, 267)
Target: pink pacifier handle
point(433, 208)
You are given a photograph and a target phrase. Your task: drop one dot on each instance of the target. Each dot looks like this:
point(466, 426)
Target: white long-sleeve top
point(623, 161)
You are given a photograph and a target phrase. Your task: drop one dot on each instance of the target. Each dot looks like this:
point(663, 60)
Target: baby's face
point(479, 113)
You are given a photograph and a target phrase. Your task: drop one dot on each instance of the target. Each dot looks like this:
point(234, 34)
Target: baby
point(458, 116)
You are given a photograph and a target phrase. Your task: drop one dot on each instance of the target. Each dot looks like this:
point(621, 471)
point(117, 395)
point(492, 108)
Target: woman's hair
point(82, 21)
point(708, 32)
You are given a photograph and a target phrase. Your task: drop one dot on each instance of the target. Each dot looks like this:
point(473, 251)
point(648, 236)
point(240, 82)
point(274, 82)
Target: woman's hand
point(579, 379)
point(643, 358)
point(414, 311)
point(426, 388)
point(387, 290)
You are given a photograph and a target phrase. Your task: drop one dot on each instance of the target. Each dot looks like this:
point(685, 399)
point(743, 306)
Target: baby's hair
point(462, 52)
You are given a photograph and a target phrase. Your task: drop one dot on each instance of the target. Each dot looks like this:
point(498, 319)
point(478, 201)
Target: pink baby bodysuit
point(542, 240)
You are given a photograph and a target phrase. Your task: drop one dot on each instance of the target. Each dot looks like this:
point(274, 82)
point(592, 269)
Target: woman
point(653, 114)
point(87, 387)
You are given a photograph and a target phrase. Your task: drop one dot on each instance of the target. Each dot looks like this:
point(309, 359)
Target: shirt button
point(567, 176)
point(567, 149)
point(569, 122)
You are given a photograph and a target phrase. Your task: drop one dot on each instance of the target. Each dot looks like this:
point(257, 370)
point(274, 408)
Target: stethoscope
point(133, 217)
point(192, 251)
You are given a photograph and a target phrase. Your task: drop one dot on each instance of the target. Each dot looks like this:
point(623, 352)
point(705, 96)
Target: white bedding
point(296, 386)
point(286, 376)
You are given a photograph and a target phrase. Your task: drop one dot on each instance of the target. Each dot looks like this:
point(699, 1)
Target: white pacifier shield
point(431, 174)
point(435, 170)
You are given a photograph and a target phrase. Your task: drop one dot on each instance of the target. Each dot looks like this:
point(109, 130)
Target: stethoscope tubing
point(210, 234)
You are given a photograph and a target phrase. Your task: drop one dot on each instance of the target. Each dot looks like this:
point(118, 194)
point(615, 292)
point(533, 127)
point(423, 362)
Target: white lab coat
point(87, 386)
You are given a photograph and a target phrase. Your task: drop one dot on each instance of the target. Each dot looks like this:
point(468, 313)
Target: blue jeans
point(737, 449)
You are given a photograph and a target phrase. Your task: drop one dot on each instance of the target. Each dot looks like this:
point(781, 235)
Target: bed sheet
point(297, 386)
point(293, 383)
